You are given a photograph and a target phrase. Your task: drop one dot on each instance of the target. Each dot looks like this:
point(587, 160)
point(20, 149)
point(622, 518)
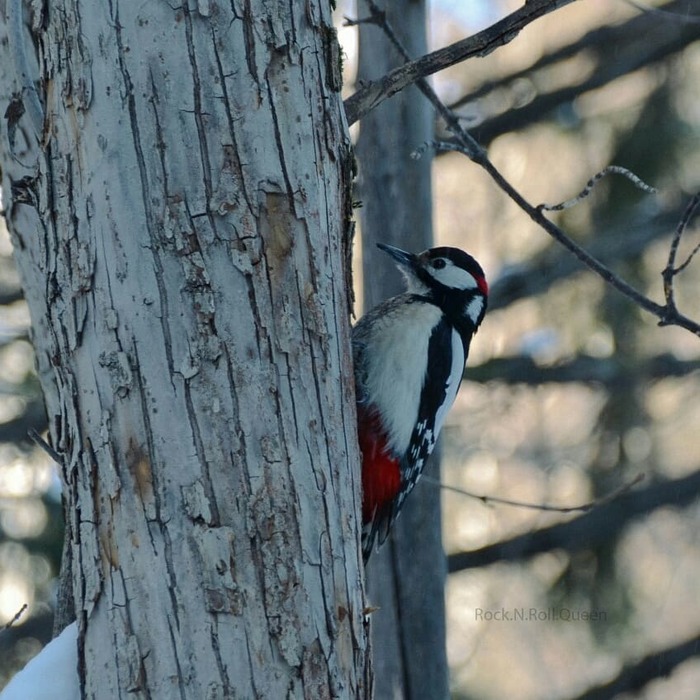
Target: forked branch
point(463, 142)
point(670, 271)
point(479, 44)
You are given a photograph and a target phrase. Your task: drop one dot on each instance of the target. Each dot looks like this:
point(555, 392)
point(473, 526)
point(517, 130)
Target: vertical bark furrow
point(190, 280)
point(199, 112)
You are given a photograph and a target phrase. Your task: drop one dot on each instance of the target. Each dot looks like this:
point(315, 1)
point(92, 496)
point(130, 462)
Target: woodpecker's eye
point(438, 263)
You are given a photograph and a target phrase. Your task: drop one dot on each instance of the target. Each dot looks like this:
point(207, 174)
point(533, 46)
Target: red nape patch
point(381, 478)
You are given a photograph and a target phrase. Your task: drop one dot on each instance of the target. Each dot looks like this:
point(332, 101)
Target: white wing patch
point(453, 383)
point(426, 434)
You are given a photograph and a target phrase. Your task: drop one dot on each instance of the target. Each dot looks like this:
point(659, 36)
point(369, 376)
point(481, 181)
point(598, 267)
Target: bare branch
point(15, 619)
point(632, 52)
point(670, 271)
point(586, 531)
point(668, 38)
point(480, 44)
point(667, 315)
point(584, 508)
point(464, 143)
point(611, 169)
point(610, 372)
point(45, 446)
point(617, 244)
point(636, 676)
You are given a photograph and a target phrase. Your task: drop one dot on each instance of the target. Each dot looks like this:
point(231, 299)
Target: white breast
point(397, 357)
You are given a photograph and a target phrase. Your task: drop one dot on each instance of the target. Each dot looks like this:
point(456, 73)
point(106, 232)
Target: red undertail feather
point(381, 478)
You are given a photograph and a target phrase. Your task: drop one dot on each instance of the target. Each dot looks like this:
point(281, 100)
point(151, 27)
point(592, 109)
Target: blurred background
point(572, 392)
point(31, 520)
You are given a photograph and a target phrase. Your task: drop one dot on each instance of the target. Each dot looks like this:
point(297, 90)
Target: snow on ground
point(50, 675)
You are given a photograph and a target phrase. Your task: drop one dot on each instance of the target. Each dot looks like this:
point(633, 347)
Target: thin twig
point(464, 143)
point(45, 446)
point(670, 271)
point(15, 619)
point(687, 261)
point(666, 315)
point(585, 531)
point(374, 18)
point(610, 169)
point(680, 230)
point(583, 508)
point(480, 44)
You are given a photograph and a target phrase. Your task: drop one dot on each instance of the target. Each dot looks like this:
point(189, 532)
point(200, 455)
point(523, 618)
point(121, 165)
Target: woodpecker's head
point(449, 276)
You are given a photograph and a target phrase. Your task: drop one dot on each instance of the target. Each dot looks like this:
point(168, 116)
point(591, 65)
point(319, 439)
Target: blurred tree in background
point(573, 391)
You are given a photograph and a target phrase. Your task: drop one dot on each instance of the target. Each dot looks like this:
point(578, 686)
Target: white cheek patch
point(454, 277)
point(474, 308)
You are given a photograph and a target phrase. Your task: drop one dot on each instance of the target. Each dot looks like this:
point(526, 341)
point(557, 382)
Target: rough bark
point(176, 189)
point(406, 577)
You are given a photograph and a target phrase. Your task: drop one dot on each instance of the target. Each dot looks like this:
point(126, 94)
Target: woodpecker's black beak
point(403, 258)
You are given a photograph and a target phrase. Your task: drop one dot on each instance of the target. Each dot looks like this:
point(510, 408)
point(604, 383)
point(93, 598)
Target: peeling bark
point(179, 212)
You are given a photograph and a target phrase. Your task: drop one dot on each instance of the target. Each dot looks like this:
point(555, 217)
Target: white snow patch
point(50, 675)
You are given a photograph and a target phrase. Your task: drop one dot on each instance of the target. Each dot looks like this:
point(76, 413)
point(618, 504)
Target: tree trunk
point(177, 192)
point(406, 577)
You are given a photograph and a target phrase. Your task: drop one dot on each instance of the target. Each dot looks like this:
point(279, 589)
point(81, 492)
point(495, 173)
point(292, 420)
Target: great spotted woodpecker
point(409, 354)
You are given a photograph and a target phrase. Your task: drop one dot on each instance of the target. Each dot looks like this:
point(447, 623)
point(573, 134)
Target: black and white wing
point(446, 360)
